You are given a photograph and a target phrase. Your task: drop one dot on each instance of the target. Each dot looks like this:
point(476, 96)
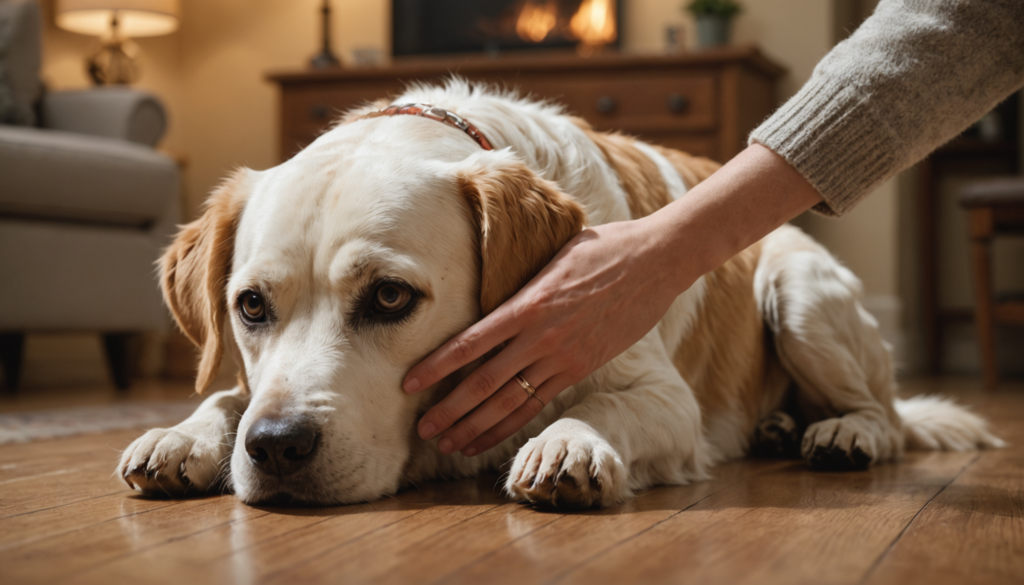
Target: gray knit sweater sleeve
point(913, 76)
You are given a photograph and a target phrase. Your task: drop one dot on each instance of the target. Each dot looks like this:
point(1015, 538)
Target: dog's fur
point(778, 327)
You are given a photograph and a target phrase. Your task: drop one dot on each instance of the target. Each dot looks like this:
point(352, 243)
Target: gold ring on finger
point(531, 392)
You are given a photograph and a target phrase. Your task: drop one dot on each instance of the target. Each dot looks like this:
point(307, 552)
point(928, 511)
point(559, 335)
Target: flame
point(536, 20)
point(594, 22)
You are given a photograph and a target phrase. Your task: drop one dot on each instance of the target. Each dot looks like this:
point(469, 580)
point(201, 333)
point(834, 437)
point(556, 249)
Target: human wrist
point(742, 202)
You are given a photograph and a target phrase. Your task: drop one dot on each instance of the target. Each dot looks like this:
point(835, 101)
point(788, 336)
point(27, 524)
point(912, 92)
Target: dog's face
point(332, 274)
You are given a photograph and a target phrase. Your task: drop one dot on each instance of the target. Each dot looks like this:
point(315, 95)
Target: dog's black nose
point(281, 445)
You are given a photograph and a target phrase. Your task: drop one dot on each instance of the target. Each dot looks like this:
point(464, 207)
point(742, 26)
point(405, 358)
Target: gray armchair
point(86, 204)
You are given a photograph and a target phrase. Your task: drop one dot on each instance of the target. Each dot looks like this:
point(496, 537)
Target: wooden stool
point(996, 206)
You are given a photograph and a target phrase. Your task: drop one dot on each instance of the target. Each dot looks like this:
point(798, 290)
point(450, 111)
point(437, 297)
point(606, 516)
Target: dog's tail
point(940, 424)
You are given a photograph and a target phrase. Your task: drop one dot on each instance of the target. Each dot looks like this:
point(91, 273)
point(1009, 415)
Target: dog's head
point(329, 276)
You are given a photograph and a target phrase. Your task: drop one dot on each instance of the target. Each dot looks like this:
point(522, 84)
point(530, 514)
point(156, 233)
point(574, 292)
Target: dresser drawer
point(637, 102)
point(307, 111)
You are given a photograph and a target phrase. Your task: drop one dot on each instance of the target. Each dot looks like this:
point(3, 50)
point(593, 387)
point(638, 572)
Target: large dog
point(329, 276)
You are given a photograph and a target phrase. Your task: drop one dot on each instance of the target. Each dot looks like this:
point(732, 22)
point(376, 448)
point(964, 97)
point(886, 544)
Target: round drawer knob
point(318, 111)
point(677, 103)
point(606, 104)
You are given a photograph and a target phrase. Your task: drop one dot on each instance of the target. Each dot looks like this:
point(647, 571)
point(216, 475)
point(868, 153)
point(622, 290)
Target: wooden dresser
point(704, 103)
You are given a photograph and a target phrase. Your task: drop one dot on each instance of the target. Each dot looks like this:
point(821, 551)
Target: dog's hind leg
point(614, 442)
point(190, 457)
point(777, 436)
point(833, 350)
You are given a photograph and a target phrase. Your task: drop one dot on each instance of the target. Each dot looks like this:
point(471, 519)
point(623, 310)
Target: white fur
point(379, 197)
point(676, 187)
point(937, 423)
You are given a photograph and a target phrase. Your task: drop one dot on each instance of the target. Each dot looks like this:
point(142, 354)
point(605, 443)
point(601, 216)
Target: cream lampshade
point(115, 20)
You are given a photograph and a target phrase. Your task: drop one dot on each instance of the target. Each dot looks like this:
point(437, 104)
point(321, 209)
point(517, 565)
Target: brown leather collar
point(435, 113)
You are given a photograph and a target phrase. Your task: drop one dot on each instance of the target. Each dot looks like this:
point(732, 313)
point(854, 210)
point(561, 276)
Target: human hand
point(601, 293)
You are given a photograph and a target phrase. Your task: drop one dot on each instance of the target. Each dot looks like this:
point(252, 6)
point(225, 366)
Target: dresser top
point(749, 57)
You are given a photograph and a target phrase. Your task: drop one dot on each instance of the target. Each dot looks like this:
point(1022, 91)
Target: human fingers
point(477, 387)
point(503, 403)
point(460, 350)
point(511, 424)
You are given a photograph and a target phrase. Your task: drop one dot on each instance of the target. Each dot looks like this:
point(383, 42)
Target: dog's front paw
point(173, 461)
point(568, 466)
point(840, 444)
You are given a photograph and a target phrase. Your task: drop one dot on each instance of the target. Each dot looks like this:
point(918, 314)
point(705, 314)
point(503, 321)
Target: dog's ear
point(523, 221)
point(194, 272)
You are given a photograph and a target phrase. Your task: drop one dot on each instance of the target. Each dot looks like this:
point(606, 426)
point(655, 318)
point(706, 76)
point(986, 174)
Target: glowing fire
point(536, 20)
point(594, 22)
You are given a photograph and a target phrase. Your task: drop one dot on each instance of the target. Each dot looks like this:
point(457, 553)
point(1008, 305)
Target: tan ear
point(523, 221)
point(194, 271)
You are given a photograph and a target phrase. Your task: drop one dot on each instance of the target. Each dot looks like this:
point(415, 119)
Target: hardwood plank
point(29, 459)
point(574, 539)
point(792, 526)
point(61, 488)
point(50, 474)
point(255, 544)
point(27, 528)
point(273, 544)
point(972, 532)
point(66, 554)
point(757, 521)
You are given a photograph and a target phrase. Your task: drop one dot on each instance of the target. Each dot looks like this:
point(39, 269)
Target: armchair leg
point(118, 348)
point(12, 348)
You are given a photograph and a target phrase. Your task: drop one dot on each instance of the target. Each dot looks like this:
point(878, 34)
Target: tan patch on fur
point(693, 169)
point(723, 357)
point(194, 272)
point(646, 191)
point(523, 220)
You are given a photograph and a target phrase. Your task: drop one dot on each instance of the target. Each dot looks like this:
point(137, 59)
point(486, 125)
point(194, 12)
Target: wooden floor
point(935, 518)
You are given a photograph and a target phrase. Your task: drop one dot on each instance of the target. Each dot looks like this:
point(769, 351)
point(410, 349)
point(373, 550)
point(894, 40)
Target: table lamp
point(326, 58)
point(114, 21)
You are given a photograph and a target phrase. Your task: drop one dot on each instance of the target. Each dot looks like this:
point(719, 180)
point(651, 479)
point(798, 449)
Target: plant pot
point(712, 30)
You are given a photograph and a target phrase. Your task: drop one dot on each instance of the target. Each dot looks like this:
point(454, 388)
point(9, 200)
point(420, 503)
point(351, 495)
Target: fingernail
point(469, 451)
point(411, 385)
point(445, 446)
point(427, 430)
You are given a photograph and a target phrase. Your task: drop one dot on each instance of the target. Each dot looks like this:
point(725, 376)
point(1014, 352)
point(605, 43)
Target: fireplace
point(436, 27)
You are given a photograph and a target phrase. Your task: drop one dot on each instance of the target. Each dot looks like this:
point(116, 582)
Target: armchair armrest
point(112, 112)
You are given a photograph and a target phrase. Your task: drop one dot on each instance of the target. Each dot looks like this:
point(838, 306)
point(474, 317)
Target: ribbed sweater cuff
point(834, 139)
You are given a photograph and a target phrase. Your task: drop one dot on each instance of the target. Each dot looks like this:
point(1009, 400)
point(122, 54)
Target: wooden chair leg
point(118, 348)
point(981, 257)
point(12, 349)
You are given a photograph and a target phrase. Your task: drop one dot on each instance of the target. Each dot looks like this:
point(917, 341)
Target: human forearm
point(753, 194)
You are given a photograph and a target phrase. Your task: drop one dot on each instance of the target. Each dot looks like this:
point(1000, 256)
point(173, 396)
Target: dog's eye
point(253, 309)
point(392, 297)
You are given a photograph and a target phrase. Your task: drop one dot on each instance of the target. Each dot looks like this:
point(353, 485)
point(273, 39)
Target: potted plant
point(714, 18)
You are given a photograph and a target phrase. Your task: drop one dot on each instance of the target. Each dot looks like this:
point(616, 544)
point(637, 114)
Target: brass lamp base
point(115, 62)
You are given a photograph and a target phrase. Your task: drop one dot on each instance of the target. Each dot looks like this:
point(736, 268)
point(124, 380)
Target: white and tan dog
point(329, 276)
